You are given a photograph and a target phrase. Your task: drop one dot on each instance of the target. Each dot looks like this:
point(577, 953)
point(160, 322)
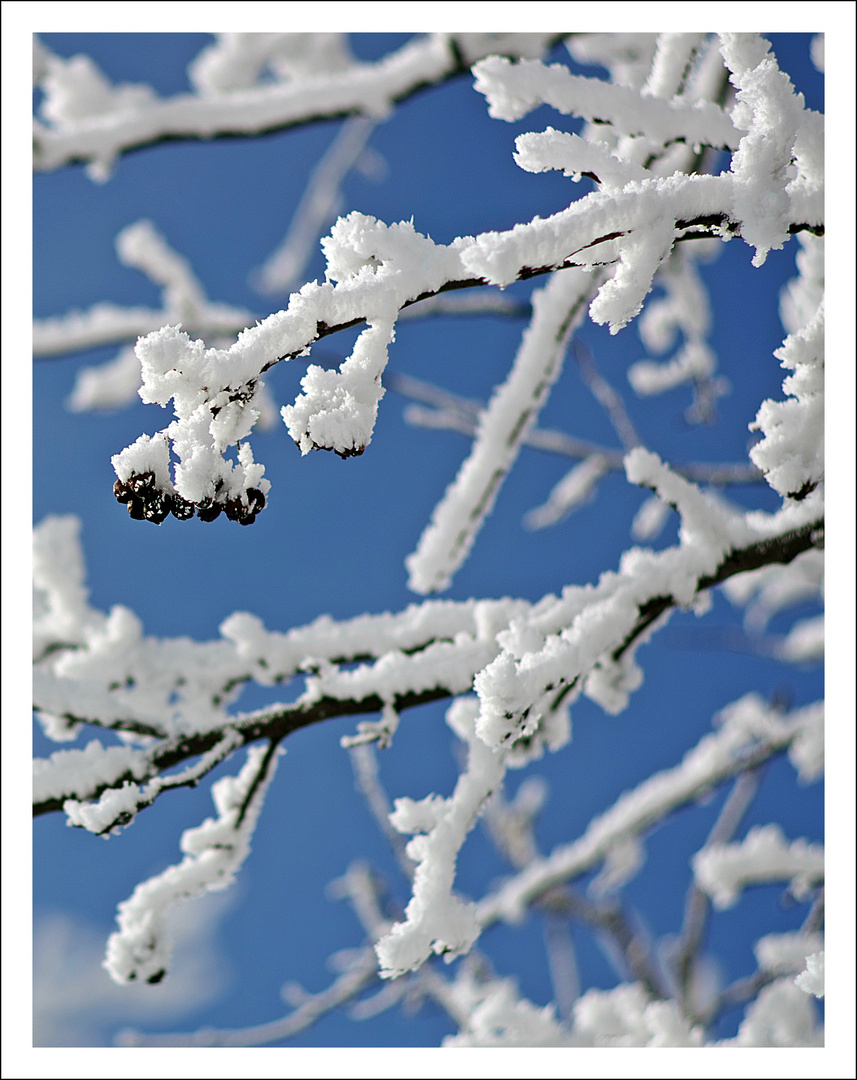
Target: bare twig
point(451, 412)
point(511, 829)
point(364, 762)
point(610, 918)
point(698, 903)
point(362, 973)
point(606, 396)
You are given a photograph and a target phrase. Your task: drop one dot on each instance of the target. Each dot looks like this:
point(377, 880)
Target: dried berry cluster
point(146, 502)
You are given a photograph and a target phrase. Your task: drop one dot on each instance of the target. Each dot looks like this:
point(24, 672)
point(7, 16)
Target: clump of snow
point(107, 386)
point(237, 60)
point(498, 1016)
point(576, 487)
point(650, 518)
point(770, 112)
point(785, 953)
point(61, 611)
point(66, 772)
point(782, 1015)
point(724, 870)
point(550, 149)
point(811, 979)
point(116, 806)
point(804, 642)
point(817, 51)
point(337, 409)
point(625, 1016)
point(791, 454)
point(437, 921)
point(692, 363)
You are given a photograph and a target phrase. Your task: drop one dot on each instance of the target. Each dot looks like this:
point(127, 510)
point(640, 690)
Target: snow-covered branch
point(750, 733)
point(141, 247)
point(213, 854)
point(501, 432)
point(374, 271)
point(724, 870)
point(182, 690)
point(86, 118)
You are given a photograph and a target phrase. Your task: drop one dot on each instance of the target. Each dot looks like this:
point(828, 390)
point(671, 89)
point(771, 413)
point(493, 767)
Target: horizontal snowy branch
point(141, 247)
point(515, 89)
point(92, 121)
point(374, 271)
point(180, 691)
point(724, 870)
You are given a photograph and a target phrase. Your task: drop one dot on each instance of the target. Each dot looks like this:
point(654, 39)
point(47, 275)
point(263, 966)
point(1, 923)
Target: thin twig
point(562, 964)
point(454, 413)
point(698, 903)
point(361, 974)
point(610, 918)
point(606, 396)
point(364, 762)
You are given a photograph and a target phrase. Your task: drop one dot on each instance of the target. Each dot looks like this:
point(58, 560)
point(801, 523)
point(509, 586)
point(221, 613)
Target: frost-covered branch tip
point(214, 852)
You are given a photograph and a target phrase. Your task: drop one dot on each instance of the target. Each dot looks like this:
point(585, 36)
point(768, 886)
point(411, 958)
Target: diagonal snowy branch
point(501, 432)
point(751, 732)
point(585, 640)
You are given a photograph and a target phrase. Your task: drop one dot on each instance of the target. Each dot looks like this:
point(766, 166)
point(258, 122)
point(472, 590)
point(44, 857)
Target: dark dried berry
point(156, 510)
point(235, 510)
point(256, 500)
point(210, 512)
point(136, 509)
point(248, 519)
point(352, 451)
point(181, 508)
point(141, 483)
point(121, 491)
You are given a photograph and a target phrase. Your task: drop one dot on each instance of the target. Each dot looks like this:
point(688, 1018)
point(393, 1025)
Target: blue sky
point(335, 534)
